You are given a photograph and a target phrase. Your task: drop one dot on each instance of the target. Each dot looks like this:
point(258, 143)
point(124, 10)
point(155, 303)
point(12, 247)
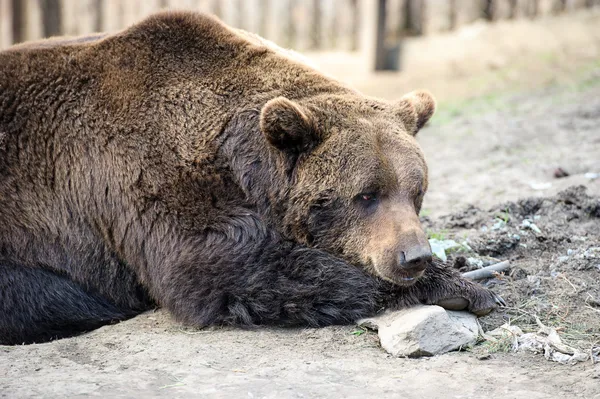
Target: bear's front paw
point(480, 302)
point(485, 302)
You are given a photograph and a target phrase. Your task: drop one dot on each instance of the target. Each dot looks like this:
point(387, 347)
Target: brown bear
point(184, 164)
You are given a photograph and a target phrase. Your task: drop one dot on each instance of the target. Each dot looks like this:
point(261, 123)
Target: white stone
point(439, 247)
point(424, 330)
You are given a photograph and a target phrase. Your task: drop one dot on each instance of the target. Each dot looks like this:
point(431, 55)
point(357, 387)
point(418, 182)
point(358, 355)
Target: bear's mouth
point(397, 275)
point(406, 278)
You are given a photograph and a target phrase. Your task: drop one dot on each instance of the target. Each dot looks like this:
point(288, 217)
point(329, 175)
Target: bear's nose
point(415, 259)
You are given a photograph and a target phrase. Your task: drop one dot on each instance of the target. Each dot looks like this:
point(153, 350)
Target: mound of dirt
point(553, 244)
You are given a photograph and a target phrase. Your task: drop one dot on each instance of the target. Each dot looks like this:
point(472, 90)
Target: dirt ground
point(492, 162)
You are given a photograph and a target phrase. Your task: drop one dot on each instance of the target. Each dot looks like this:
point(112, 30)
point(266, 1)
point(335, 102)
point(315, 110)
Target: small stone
point(535, 228)
point(560, 172)
point(371, 324)
point(439, 247)
point(499, 225)
point(424, 330)
point(527, 224)
point(560, 357)
point(569, 252)
point(591, 253)
point(591, 175)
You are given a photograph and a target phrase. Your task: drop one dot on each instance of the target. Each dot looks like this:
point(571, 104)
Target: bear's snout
point(415, 259)
point(400, 251)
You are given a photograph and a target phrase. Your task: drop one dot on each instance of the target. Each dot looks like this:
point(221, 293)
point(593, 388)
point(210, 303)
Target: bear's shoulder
point(167, 31)
point(184, 28)
point(193, 32)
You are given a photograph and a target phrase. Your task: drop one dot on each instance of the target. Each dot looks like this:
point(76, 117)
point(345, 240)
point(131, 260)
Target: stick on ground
point(488, 271)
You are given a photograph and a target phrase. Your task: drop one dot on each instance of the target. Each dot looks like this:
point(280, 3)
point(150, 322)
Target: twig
point(592, 352)
point(484, 335)
point(567, 280)
point(488, 271)
point(177, 384)
point(193, 332)
point(591, 308)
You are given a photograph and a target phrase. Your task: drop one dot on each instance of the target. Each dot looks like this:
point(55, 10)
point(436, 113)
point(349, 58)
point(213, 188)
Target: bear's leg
point(244, 274)
point(38, 305)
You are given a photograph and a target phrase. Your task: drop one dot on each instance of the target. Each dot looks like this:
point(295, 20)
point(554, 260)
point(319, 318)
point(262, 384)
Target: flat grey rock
point(423, 330)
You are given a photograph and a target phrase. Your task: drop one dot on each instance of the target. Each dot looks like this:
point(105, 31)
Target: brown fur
point(182, 163)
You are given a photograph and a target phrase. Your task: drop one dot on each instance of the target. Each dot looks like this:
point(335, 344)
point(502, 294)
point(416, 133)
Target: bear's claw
point(499, 300)
point(492, 302)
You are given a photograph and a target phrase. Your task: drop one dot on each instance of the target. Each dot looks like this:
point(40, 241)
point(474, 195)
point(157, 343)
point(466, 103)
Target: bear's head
point(356, 178)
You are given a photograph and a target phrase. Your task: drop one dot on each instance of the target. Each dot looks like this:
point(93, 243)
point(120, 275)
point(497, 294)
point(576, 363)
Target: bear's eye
point(367, 199)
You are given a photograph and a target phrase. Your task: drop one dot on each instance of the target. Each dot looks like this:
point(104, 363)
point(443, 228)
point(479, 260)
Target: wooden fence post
point(372, 44)
point(415, 14)
point(574, 4)
point(315, 25)
point(380, 53)
point(51, 17)
point(27, 20)
point(465, 12)
point(6, 26)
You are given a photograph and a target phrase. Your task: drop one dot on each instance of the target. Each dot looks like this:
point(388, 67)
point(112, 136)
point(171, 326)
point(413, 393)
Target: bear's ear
point(415, 109)
point(288, 127)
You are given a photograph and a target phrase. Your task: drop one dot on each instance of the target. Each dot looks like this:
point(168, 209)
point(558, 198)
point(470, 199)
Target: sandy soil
point(501, 148)
point(151, 356)
point(482, 153)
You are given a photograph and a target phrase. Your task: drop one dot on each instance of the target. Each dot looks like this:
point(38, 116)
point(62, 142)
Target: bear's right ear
point(415, 109)
point(288, 127)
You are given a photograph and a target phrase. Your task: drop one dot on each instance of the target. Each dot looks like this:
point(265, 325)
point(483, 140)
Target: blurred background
point(433, 43)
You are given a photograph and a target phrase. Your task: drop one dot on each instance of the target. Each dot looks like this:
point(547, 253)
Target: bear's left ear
point(288, 126)
point(415, 109)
